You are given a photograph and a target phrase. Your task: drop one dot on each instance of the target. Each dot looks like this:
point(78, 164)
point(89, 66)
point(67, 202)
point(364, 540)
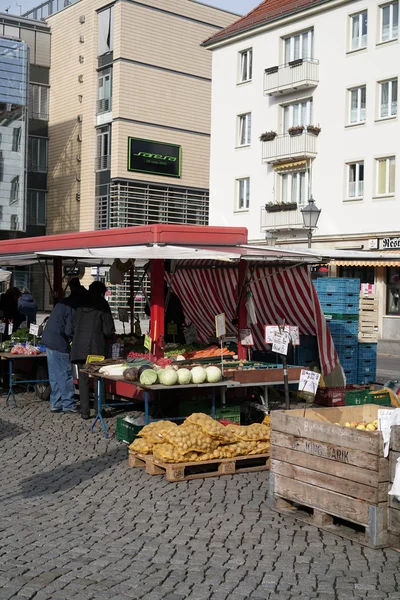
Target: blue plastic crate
point(346, 350)
point(366, 366)
point(337, 284)
point(339, 297)
point(349, 363)
point(343, 328)
point(344, 339)
point(367, 351)
point(349, 308)
point(351, 376)
point(366, 379)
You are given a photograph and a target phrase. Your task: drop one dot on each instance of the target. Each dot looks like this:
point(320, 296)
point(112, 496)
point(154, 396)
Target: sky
point(236, 6)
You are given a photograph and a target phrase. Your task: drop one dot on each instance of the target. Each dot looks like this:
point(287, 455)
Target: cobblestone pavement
point(76, 523)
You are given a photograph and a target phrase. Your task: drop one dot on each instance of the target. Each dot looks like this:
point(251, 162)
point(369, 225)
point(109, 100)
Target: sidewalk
point(389, 347)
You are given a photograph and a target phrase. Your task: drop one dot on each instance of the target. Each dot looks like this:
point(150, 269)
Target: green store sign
point(156, 158)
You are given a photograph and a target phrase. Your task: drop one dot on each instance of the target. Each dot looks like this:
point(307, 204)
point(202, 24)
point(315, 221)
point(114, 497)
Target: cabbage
point(148, 377)
point(214, 374)
point(198, 375)
point(168, 377)
point(184, 376)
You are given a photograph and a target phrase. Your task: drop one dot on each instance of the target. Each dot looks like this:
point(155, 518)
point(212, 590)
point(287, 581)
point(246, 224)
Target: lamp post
point(310, 214)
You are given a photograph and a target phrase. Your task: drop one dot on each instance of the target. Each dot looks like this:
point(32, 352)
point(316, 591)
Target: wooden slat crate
point(199, 470)
point(322, 473)
point(370, 338)
point(394, 504)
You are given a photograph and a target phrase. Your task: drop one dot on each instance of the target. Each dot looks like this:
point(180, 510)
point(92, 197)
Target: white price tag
point(309, 381)
point(293, 330)
point(2, 327)
point(220, 325)
point(294, 335)
point(246, 337)
point(34, 329)
point(281, 343)
point(10, 328)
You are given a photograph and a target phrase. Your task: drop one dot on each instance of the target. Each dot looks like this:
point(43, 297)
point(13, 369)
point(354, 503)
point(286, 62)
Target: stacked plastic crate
point(339, 298)
point(367, 363)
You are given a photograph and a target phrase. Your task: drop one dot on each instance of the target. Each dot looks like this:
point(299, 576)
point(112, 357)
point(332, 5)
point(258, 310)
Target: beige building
point(130, 109)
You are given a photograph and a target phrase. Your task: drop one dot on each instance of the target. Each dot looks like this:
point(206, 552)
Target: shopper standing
point(9, 312)
point(27, 306)
point(93, 328)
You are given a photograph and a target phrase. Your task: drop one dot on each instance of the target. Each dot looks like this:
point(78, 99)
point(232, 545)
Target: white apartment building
point(320, 81)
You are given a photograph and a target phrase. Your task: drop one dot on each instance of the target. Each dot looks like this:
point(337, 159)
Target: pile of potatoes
point(201, 438)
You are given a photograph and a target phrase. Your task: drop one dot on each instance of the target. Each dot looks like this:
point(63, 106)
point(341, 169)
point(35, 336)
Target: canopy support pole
point(57, 280)
point(132, 297)
point(242, 312)
point(157, 306)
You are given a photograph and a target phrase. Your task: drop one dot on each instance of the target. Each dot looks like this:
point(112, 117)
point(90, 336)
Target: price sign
point(220, 325)
point(272, 330)
point(123, 315)
point(294, 335)
point(309, 381)
point(34, 329)
point(2, 327)
point(10, 328)
point(246, 337)
point(172, 329)
point(148, 342)
point(281, 343)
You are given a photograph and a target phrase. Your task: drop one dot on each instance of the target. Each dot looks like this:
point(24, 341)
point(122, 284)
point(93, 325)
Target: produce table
point(10, 358)
point(103, 383)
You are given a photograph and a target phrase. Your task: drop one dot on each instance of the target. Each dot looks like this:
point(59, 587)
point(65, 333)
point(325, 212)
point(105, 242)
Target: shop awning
point(297, 164)
point(365, 263)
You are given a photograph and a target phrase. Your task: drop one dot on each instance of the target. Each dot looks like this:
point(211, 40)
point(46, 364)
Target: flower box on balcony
point(297, 130)
point(280, 207)
point(314, 129)
point(271, 70)
point(296, 63)
point(268, 136)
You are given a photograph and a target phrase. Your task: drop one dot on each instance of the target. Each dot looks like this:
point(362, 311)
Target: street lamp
point(310, 215)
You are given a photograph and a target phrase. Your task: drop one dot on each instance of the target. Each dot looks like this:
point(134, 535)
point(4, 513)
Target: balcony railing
point(103, 105)
point(297, 74)
point(287, 147)
point(285, 220)
point(103, 162)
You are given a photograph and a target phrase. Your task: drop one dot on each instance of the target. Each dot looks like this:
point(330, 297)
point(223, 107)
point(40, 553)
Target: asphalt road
point(388, 368)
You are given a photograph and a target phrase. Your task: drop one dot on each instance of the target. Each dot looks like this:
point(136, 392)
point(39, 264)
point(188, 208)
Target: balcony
point(103, 162)
point(290, 147)
point(285, 220)
point(296, 75)
point(103, 105)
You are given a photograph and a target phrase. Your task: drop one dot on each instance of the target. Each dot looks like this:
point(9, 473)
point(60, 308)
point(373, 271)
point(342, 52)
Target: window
point(355, 188)
point(14, 193)
point(359, 31)
point(299, 46)
point(243, 193)
point(36, 208)
point(294, 187)
point(37, 155)
point(38, 102)
point(16, 139)
point(393, 291)
point(244, 130)
point(104, 92)
point(358, 101)
point(386, 168)
point(298, 113)
point(106, 31)
point(103, 149)
point(389, 21)
point(388, 99)
point(246, 65)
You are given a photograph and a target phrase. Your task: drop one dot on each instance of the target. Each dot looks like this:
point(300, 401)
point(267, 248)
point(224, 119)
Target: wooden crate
point(394, 504)
point(321, 472)
point(175, 472)
point(368, 338)
point(262, 375)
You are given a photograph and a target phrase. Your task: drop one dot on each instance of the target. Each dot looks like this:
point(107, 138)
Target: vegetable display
point(184, 376)
point(199, 375)
point(213, 374)
point(168, 377)
point(148, 377)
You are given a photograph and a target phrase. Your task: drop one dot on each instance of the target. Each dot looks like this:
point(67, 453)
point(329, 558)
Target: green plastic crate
point(194, 405)
point(125, 431)
point(365, 397)
point(230, 413)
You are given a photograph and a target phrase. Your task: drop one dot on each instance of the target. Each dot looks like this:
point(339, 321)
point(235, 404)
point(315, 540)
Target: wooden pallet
point(368, 338)
point(198, 470)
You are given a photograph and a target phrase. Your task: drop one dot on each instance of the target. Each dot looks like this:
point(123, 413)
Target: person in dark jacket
point(9, 311)
point(93, 327)
point(57, 337)
point(27, 306)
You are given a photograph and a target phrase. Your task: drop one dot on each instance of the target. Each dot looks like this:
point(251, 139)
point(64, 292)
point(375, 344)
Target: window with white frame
point(38, 102)
point(244, 129)
point(37, 154)
point(243, 193)
point(300, 45)
point(104, 91)
point(246, 65)
point(388, 99)
point(103, 149)
point(389, 21)
point(294, 187)
point(14, 192)
point(385, 175)
point(355, 180)
point(359, 24)
point(358, 104)
point(36, 208)
point(298, 113)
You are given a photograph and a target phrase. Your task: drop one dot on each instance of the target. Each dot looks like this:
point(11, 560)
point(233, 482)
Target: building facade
point(24, 113)
point(305, 103)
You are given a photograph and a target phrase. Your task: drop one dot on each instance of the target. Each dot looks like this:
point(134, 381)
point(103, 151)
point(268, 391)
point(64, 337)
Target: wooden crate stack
point(368, 321)
point(330, 476)
point(394, 504)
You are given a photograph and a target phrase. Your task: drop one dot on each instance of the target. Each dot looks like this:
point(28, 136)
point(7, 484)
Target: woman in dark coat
point(27, 306)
